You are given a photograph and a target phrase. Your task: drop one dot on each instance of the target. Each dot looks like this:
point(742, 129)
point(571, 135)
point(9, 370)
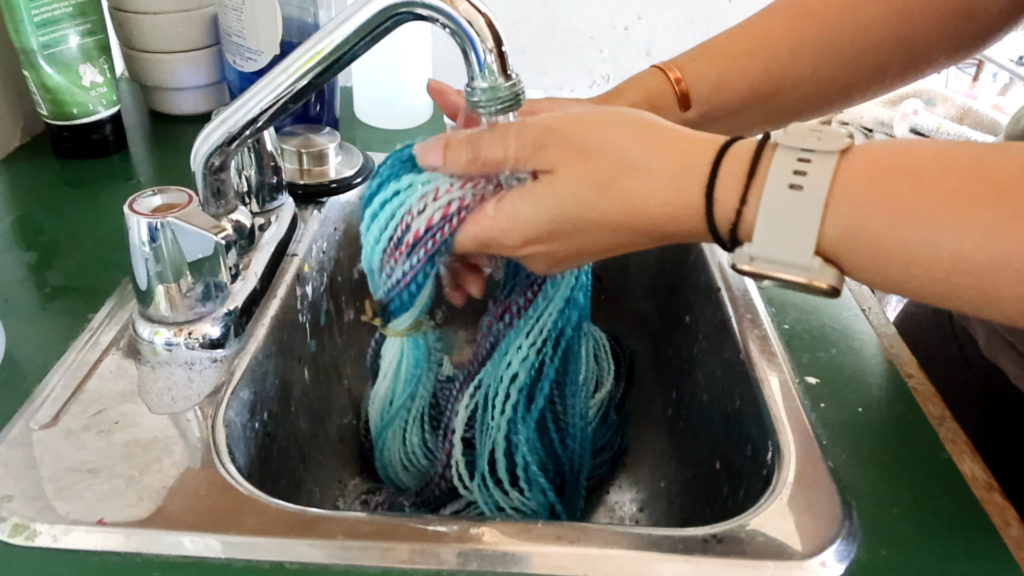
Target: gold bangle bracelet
point(678, 84)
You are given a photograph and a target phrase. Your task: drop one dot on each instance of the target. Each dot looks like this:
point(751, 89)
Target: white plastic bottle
point(389, 81)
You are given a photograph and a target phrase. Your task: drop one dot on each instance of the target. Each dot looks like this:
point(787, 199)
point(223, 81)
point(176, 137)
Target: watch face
point(816, 287)
point(818, 277)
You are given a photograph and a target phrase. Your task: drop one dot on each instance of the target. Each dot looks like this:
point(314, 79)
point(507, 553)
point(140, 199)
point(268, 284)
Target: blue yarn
point(532, 419)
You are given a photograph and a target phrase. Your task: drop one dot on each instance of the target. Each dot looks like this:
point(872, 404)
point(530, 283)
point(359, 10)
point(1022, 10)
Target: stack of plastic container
point(172, 50)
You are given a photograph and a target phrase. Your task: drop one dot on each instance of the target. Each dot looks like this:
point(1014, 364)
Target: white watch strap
point(791, 208)
point(792, 205)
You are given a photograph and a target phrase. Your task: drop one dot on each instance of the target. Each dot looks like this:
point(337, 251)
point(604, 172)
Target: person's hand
point(610, 181)
point(452, 104)
point(464, 276)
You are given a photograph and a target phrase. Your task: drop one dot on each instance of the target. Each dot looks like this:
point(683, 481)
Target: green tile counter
point(62, 253)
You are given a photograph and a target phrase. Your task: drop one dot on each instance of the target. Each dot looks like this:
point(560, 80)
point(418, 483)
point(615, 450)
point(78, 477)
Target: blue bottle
point(257, 34)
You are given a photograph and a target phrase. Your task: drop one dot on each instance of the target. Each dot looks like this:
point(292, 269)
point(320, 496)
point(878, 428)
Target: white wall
point(581, 47)
point(18, 118)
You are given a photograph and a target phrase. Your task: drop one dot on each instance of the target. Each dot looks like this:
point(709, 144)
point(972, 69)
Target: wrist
point(648, 90)
point(731, 184)
point(688, 164)
point(691, 216)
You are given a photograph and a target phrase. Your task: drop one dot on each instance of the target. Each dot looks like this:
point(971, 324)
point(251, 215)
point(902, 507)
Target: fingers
point(469, 276)
point(486, 262)
point(461, 279)
point(449, 100)
point(452, 104)
point(523, 146)
point(453, 292)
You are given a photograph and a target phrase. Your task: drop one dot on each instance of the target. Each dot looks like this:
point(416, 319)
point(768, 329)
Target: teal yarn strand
point(532, 420)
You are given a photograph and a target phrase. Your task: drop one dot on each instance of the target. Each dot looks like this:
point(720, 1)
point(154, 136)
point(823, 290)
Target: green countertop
point(62, 253)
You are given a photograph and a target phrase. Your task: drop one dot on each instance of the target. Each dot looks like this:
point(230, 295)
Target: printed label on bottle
point(250, 32)
point(65, 58)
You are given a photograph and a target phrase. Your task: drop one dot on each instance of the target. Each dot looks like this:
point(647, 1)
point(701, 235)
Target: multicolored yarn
point(535, 414)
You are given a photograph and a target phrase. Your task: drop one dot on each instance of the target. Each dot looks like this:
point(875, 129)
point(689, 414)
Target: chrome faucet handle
point(259, 167)
point(183, 260)
point(257, 174)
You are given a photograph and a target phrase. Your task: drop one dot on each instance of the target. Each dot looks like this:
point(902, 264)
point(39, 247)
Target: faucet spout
point(493, 89)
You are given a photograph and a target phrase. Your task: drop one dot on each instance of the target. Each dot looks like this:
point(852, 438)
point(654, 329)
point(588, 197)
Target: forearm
point(935, 221)
point(799, 59)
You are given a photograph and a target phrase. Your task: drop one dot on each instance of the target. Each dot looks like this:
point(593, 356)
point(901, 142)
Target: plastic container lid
point(170, 32)
point(159, 6)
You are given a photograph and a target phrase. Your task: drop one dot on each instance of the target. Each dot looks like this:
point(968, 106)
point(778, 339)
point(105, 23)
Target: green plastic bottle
point(65, 57)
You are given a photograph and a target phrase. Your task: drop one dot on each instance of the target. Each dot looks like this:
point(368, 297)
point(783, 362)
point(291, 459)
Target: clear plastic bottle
point(257, 34)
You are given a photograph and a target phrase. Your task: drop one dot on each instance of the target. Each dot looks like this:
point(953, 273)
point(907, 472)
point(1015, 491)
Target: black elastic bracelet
point(709, 192)
point(755, 161)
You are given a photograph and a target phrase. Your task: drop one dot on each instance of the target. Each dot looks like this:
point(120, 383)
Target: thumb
point(521, 146)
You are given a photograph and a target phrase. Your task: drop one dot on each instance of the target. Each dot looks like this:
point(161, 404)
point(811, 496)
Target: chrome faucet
point(201, 259)
point(493, 89)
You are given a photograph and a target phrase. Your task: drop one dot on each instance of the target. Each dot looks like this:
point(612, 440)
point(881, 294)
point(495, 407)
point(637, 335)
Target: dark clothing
point(985, 402)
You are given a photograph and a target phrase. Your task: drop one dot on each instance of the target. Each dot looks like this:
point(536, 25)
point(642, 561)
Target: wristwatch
point(789, 216)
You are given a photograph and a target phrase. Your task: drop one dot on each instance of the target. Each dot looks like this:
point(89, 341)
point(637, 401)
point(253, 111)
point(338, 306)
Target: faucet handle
point(257, 174)
point(182, 259)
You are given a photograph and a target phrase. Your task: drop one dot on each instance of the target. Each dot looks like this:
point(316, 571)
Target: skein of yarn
point(532, 418)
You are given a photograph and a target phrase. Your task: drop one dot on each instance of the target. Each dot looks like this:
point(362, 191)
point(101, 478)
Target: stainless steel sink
point(702, 449)
point(722, 473)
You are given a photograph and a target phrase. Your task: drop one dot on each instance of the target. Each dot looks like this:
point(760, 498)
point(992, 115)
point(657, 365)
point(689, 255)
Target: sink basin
point(702, 449)
point(722, 471)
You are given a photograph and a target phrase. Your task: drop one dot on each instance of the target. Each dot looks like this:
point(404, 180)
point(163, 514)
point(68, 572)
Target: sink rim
point(767, 534)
